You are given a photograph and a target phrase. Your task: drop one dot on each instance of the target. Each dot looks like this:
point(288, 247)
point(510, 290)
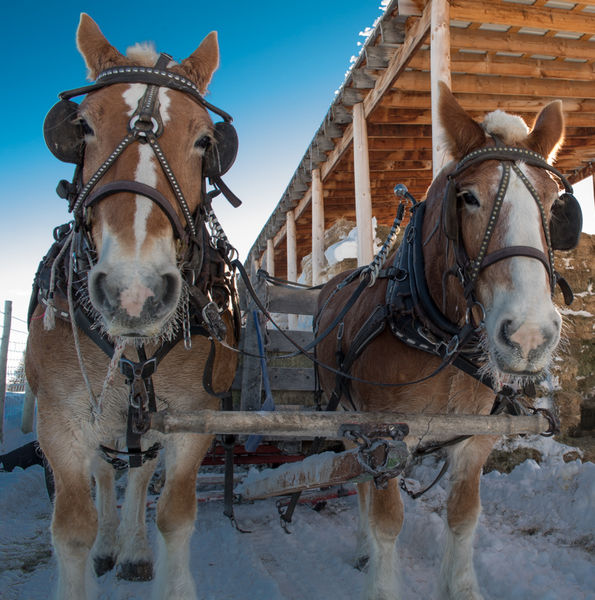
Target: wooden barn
point(381, 129)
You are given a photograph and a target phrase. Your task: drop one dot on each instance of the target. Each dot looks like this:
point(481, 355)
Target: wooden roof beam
point(519, 15)
point(415, 37)
point(491, 64)
point(418, 81)
point(486, 102)
point(498, 41)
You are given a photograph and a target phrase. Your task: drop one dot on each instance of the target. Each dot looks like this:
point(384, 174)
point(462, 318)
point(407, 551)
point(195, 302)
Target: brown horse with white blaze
point(486, 250)
point(142, 261)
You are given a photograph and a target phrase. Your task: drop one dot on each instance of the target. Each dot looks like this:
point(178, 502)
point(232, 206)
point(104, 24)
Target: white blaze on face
point(146, 170)
point(133, 271)
point(522, 315)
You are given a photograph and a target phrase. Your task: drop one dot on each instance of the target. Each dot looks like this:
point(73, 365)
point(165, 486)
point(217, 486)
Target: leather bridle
point(144, 127)
point(466, 269)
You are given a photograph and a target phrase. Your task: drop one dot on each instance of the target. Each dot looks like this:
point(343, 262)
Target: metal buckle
point(213, 321)
point(452, 346)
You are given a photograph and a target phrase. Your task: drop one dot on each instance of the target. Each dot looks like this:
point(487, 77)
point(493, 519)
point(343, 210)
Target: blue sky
point(280, 66)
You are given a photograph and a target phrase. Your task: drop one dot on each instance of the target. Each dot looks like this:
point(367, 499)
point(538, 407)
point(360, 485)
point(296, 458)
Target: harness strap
point(374, 325)
point(142, 189)
point(150, 76)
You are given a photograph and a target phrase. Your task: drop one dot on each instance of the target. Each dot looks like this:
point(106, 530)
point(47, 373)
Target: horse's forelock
point(143, 54)
point(511, 129)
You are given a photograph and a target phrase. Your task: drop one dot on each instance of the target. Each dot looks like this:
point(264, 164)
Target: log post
point(363, 195)
point(4, 361)
point(291, 259)
point(270, 257)
point(439, 71)
point(317, 227)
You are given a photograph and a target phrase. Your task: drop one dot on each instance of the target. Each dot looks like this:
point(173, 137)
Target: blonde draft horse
point(520, 332)
point(135, 288)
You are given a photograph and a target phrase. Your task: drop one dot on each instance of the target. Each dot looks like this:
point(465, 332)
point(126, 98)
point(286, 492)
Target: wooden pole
point(291, 258)
point(270, 257)
point(363, 195)
point(317, 227)
point(439, 71)
point(307, 425)
point(250, 396)
point(4, 361)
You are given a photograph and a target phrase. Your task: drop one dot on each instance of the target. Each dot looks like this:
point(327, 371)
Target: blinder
point(63, 132)
point(221, 154)
point(566, 222)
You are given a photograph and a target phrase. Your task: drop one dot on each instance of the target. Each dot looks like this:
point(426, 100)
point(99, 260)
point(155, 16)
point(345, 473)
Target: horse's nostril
point(505, 332)
point(171, 289)
point(100, 295)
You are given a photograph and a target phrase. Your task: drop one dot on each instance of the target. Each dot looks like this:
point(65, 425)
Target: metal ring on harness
point(143, 132)
point(469, 316)
point(554, 423)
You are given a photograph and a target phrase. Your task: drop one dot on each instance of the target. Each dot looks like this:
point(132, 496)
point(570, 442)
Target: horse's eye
point(87, 129)
point(203, 142)
point(469, 198)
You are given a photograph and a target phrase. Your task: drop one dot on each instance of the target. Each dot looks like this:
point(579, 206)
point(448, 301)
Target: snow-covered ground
point(535, 539)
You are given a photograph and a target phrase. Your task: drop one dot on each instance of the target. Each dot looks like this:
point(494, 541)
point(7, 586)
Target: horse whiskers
point(516, 381)
point(168, 332)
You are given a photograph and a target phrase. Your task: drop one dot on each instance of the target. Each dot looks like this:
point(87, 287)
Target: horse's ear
point(98, 53)
point(463, 134)
point(547, 134)
point(203, 62)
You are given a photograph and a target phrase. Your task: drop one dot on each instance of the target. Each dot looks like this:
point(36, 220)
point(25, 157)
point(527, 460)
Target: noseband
point(466, 269)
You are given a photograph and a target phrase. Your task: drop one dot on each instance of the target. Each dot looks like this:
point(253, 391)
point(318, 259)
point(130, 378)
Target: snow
point(535, 539)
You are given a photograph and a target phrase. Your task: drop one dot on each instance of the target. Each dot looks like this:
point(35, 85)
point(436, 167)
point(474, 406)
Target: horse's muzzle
point(133, 304)
point(525, 348)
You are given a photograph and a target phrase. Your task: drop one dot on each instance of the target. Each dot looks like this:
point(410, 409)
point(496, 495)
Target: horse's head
point(493, 205)
point(146, 141)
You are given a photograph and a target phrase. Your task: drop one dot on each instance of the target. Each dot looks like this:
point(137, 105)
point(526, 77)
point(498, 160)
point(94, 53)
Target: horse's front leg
point(135, 559)
point(385, 519)
point(176, 512)
point(458, 580)
point(74, 521)
point(105, 549)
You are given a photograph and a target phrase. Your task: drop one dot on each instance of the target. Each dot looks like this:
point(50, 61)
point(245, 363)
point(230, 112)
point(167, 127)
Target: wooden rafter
point(505, 55)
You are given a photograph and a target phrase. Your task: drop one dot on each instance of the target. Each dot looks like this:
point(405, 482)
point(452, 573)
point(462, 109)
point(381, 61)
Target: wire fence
point(15, 365)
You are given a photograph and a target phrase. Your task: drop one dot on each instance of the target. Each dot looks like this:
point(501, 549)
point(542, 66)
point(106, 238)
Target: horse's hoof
point(361, 564)
point(103, 564)
point(135, 571)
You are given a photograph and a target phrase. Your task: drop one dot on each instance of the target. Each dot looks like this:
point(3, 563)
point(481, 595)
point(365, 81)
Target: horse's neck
point(446, 291)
